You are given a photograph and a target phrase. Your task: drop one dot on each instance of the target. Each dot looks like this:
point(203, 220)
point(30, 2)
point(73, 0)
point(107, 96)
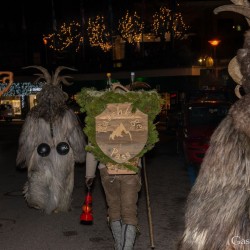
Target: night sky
point(39, 13)
point(35, 14)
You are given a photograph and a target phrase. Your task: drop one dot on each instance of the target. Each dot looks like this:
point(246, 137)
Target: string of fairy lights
point(69, 35)
point(161, 21)
point(165, 21)
point(130, 28)
point(98, 33)
point(22, 88)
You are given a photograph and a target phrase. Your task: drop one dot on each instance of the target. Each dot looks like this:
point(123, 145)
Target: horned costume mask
point(50, 143)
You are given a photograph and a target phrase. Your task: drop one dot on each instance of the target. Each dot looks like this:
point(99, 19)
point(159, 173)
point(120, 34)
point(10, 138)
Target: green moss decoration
point(93, 103)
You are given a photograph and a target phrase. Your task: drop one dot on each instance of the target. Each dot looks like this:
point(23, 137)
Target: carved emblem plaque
point(120, 133)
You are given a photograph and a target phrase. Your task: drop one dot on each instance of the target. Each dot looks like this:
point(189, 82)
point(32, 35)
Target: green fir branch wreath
point(93, 103)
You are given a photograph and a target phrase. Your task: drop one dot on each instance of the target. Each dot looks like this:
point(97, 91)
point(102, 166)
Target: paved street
point(23, 228)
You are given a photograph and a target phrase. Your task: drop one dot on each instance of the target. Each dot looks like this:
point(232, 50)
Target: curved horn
point(40, 76)
point(58, 70)
point(240, 2)
point(234, 70)
point(46, 74)
point(243, 10)
point(237, 91)
point(118, 86)
point(137, 85)
point(63, 79)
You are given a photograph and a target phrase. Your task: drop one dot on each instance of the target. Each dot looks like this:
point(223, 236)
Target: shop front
point(22, 97)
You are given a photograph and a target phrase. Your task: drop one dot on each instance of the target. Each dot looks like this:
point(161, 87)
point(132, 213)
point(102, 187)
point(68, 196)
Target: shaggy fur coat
point(218, 206)
point(51, 178)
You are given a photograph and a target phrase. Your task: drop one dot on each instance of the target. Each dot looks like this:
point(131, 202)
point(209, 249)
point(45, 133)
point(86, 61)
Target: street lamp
point(215, 43)
point(45, 42)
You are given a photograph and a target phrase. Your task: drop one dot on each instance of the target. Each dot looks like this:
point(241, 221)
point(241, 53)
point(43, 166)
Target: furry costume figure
point(217, 212)
point(50, 143)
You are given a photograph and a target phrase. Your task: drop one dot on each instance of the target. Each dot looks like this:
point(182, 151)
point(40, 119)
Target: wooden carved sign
point(120, 133)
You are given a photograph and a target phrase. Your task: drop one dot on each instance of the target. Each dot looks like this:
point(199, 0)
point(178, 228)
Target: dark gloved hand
point(89, 181)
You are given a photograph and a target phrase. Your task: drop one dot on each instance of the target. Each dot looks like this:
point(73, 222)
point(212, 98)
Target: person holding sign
point(120, 130)
point(121, 193)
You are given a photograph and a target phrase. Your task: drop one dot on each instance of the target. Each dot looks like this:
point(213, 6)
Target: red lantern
point(86, 217)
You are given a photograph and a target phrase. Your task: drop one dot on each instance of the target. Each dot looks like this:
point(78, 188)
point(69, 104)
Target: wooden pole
point(151, 233)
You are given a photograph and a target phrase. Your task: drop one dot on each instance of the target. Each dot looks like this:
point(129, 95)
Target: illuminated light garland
point(164, 22)
point(131, 28)
point(98, 34)
point(22, 88)
point(67, 36)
